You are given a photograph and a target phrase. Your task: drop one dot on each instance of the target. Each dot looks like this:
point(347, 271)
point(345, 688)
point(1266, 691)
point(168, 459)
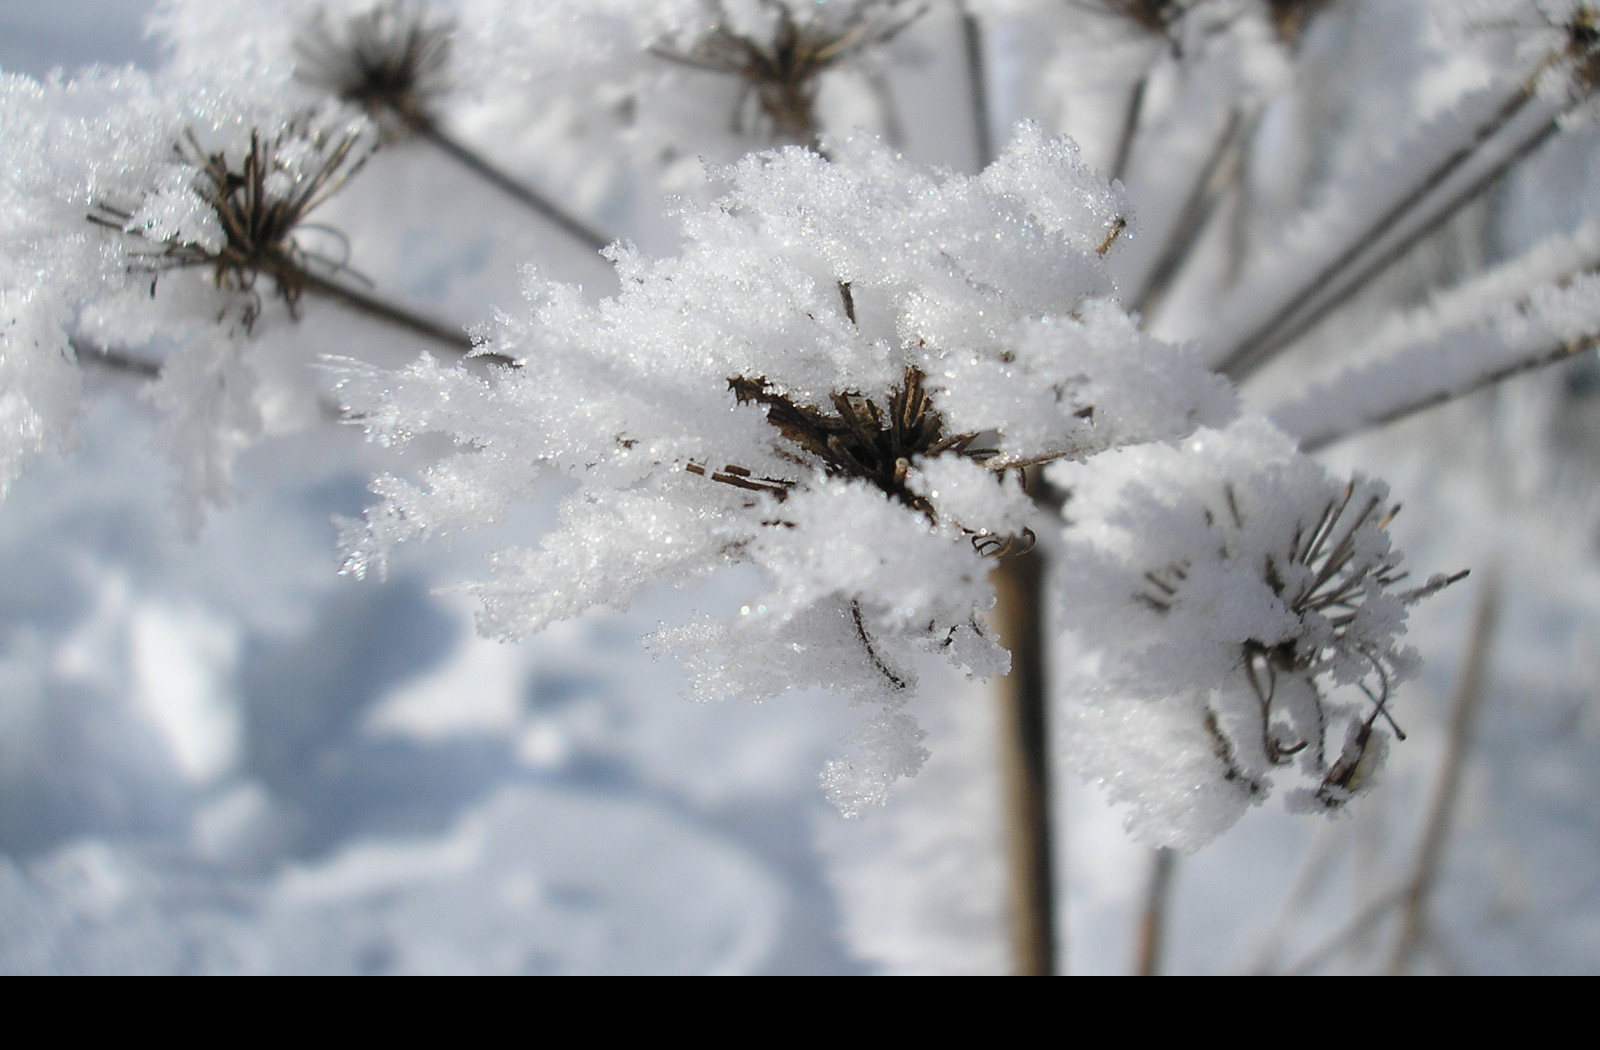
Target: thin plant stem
point(389, 313)
point(1153, 917)
point(1197, 211)
point(978, 88)
point(1130, 126)
point(1313, 874)
point(1023, 693)
point(1019, 613)
point(132, 366)
point(524, 194)
point(1359, 926)
point(1562, 352)
point(1468, 702)
point(1381, 262)
point(112, 360)
point(1250, 351)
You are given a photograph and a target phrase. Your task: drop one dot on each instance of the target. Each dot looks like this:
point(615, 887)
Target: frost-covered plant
point(238, 217)
point(1232, 590)
point(837, 382)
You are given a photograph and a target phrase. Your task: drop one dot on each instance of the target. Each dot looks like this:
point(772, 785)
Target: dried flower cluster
point(1264, 588)
point(392, 60)
point(249, 209)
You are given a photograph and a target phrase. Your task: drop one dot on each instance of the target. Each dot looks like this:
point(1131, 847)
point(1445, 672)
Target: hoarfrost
point(1228, 586)
point(834, 382)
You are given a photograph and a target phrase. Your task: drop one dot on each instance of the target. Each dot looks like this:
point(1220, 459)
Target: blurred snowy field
point(221, 756)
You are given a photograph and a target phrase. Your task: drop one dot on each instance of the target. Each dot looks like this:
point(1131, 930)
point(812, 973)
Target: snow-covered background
point(221, 756)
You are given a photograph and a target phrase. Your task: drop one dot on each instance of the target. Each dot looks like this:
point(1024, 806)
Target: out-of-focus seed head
point(393, 60)
point(780, 69)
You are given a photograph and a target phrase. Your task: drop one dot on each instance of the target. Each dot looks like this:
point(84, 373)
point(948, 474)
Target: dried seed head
point(781, 66)
point(865, 440)
point(1157, 17)
point(1340, 582)
point(1582, 48)
point(258, 202)
point(1289, 17)
point(392, 60)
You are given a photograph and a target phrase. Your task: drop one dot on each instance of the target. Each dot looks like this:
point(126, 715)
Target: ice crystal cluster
point(837, 381)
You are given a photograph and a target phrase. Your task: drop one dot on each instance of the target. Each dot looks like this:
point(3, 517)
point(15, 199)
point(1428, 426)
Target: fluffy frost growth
point(835, 382)
point(142, 222)
point(1228, 586)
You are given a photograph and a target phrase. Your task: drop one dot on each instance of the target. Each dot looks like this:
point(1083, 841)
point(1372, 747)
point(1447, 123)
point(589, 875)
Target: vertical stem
point(1436, 832)
point(978, 82)
point(1153, 919)
point(1130, 126)
point(1019, 618)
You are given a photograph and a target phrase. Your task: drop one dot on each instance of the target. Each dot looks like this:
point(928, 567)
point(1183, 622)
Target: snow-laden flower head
point(236, 212)
point(135, 214)
point(1230, 587)
point(836, 383)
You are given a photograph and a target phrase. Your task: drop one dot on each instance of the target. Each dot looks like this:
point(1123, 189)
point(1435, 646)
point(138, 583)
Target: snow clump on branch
point(838, 382)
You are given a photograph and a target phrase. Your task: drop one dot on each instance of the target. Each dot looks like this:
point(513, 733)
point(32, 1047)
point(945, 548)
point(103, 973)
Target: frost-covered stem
point(1153, 918)
point(1256, 346)
point(1382, 261)
point(521, 192)
point(1393, 414)
point(1019, 614)
point(389, 313)
point(978, 87)
point(1197, 210)
point(1436, 832)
